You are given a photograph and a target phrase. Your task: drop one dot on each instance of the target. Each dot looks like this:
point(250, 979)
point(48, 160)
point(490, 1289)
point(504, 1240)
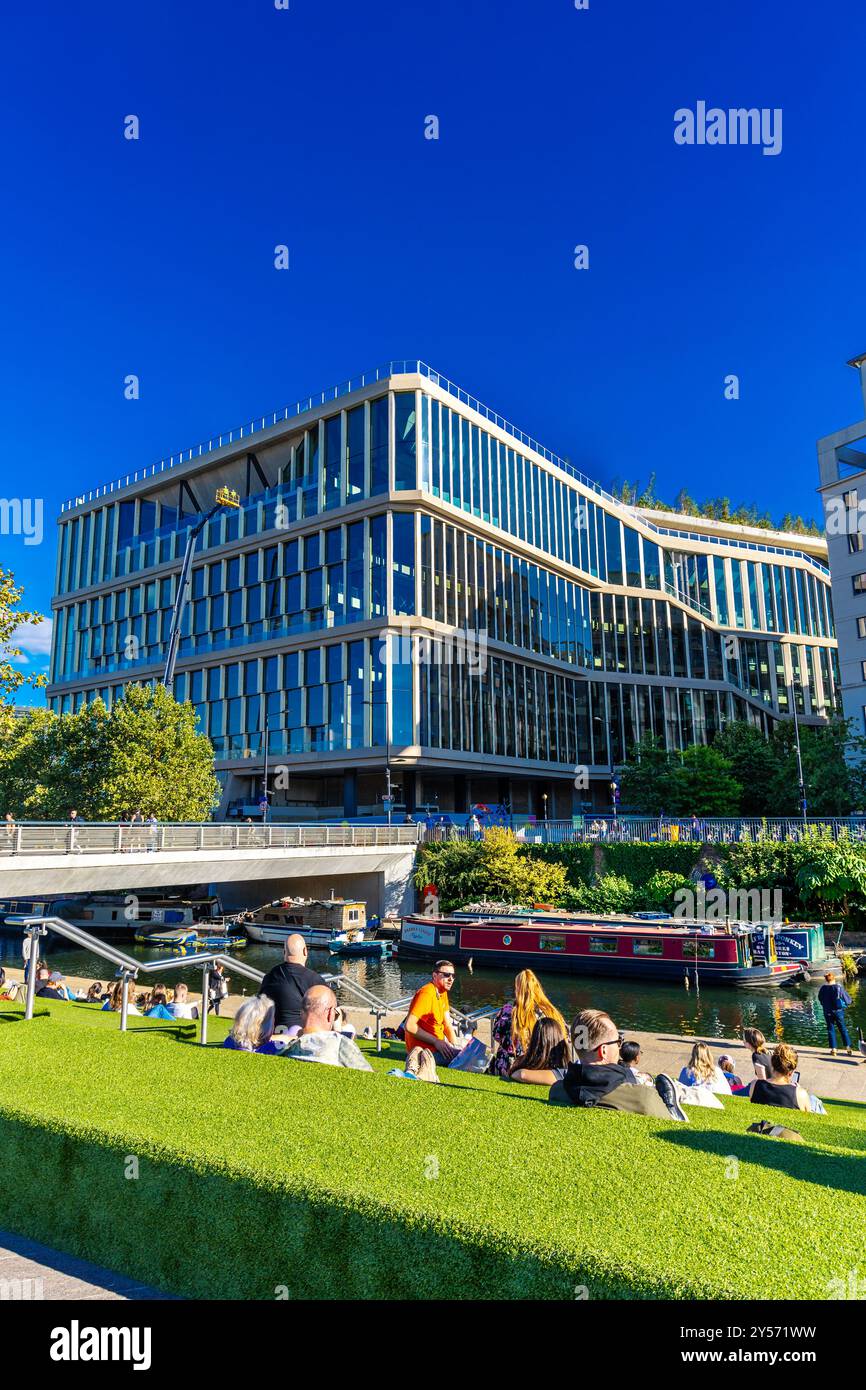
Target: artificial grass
point(259, 1177)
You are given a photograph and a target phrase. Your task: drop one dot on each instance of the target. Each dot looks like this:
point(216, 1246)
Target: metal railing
point(128, 968)
point(46, 838)
point(605, 828)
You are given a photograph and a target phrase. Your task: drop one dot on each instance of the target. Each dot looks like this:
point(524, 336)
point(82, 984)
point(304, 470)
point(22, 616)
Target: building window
point(863, 670)
point(861, 627)
point(858, 583)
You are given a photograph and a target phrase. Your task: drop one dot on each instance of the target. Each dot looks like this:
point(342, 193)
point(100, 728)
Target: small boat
point(382, 949)
point(117, 915)
point(320, 921)
point(173, 939)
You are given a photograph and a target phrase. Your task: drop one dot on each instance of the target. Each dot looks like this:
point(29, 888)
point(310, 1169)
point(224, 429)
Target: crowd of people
point(587, 1063)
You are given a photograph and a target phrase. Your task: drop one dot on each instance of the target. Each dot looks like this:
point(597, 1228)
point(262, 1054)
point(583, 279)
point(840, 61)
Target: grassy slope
point(333, 1170)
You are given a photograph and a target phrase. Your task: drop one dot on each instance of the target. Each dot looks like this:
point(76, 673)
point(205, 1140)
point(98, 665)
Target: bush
point(610, 893)
point(658, 891)
point(491, 869)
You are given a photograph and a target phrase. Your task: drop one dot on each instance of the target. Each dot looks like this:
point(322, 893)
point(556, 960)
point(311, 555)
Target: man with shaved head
point(289, 981)
point(317, 1040)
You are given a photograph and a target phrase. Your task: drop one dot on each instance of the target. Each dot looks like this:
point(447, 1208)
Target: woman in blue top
point(253, 1026)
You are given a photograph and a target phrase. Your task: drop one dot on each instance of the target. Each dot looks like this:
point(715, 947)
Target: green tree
point(753, 760)
point(648, 779)
point(142, 754)
point(705, 783)
point(11, 618)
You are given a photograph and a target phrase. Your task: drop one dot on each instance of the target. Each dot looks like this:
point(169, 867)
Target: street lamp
point(225, 497)
point(801, 784)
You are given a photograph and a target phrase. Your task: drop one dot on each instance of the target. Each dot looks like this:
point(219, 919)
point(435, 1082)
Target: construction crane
point(225, 497)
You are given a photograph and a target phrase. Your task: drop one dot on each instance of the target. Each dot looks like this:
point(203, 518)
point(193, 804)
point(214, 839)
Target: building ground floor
point(418, 790)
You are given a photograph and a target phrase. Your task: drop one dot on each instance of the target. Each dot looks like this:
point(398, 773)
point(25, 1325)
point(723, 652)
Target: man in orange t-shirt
point(428, 1023)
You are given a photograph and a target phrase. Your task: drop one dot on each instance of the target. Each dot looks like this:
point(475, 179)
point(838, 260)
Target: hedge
point(634, 860)
point(260, 1177)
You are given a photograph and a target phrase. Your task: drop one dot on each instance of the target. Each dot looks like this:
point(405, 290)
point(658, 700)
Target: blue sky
point(261, 126)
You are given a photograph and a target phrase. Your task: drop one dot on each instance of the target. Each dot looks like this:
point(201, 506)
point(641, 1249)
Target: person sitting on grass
point(317, 1040)
point(53, 987)
point(597, 1077)
point(728, 1070)
point(114, 1002)
point(253, 1027)
point(702, 1070)
point(156, 1004)
point(428, 1022)
point(96, 994)
point(546, 1057)
point(181, 1005)
point(754, 1038)
point(780, 1088)
point(512, 1027)
point(343, 1025)
point(630, 1055)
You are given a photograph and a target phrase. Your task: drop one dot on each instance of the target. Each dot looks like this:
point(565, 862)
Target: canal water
point(791, 1014)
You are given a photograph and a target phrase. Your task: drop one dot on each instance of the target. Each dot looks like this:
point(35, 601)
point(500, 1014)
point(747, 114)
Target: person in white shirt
point(703, 1071)
point(181, 1005)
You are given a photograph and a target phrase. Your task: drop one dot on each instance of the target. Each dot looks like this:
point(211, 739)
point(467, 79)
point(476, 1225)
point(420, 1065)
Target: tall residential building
point(842, 475)
point(538, 626)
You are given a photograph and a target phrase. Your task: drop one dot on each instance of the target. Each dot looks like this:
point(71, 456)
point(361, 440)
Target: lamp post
point(801, 784)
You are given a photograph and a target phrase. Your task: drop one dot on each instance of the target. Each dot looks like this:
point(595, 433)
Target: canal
point(791, 1014)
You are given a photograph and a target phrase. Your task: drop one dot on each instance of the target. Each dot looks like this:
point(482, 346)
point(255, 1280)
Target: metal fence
point(607, 829)
point(44, 838)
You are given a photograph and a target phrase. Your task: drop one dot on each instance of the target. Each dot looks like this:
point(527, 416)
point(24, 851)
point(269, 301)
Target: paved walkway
point(30, 1271)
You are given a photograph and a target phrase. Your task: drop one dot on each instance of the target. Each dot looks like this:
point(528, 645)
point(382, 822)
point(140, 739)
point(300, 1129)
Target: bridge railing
point(100, 838)
point(605, 828)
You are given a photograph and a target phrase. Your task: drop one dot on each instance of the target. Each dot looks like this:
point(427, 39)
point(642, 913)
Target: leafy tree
point(753, 762)
point(705, 783)
point(648, 780)
point(142, 754)
point(11, 617)
point(491, 869)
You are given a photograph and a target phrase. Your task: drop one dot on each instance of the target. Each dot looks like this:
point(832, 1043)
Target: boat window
point(702, 950)
point(551, 943)
point(353, 914)
point(447, 938)
point(85, 915)
point(603, 945)
point(114, 916)
point(645, 946)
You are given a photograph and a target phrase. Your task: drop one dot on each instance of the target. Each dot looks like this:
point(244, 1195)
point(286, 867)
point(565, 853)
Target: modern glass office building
point(410, 580)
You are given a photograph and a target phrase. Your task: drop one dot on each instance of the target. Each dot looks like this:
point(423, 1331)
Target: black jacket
point(589, 1085)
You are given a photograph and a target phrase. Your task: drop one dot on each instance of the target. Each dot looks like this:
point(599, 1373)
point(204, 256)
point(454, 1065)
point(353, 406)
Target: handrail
point(46, 837)
point(37, 926)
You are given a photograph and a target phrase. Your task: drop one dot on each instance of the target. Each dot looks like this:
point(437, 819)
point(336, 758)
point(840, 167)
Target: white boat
point(321, 922)
point(116, 914)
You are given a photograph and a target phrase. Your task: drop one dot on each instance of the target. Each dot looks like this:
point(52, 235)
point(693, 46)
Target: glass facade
point(555, 626)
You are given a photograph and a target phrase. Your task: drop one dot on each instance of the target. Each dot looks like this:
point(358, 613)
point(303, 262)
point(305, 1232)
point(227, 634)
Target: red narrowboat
point(628, 948)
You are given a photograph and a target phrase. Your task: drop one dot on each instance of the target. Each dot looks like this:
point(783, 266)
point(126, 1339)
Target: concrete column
point(350, 793)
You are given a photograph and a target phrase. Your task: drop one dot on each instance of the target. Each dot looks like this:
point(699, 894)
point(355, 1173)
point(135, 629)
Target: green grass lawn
point(259, 1177)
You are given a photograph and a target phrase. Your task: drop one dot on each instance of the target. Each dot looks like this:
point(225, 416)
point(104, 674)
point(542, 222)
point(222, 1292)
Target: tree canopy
point(11, 618)
point(142, 754)
point(742, 773)
point(637, 494)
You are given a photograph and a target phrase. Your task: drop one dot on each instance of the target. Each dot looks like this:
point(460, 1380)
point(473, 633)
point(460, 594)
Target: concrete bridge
point(245, 863)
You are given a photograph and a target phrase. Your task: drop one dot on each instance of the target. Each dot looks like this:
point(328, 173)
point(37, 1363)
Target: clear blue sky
point(306, 127)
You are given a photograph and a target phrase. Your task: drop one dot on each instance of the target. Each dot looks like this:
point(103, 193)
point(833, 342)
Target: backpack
point(775, 1131)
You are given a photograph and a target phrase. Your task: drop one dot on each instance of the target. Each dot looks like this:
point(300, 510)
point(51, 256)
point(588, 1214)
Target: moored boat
point(626, 947)
point(320, 921)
